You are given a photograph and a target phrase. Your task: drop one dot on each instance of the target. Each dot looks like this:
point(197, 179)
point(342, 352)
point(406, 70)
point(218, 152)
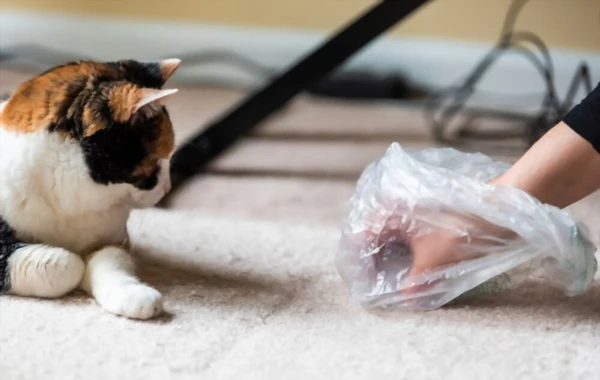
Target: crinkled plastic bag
point(410, 207)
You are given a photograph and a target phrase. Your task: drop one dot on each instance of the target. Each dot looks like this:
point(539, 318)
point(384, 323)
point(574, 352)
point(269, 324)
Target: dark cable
point(243, 62)
point(511, 18)
point(446, 105)
point(458, 95)
point(50, 57)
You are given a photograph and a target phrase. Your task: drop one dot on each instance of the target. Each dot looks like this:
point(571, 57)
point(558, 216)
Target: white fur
point(47, 196)
point(108, 277)
point(44, 271)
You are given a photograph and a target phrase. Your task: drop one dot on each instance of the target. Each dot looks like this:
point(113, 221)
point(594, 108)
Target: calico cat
point(81, 146)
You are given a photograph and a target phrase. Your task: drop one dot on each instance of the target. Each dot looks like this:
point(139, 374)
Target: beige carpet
point(244, 257)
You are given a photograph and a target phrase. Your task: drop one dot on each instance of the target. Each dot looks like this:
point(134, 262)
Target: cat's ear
point(168, 67)
point(152, 98)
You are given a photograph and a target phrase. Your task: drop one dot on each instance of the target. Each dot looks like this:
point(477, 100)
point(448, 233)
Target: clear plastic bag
point(426, 227)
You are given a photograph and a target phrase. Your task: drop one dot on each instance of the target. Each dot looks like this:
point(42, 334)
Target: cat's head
point(114, 111)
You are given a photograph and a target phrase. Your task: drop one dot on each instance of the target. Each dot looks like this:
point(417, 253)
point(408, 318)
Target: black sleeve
point(584, 118)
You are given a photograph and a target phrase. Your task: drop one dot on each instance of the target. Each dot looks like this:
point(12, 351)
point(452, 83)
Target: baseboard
point(434, 63)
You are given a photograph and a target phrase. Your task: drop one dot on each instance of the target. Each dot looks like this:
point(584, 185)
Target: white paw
point(42, 271)
point(131, 300)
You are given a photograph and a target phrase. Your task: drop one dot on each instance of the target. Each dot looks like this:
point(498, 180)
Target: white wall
point(431, 62)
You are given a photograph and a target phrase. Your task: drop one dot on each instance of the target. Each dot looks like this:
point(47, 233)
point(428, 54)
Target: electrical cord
point(217, 55)
point(48, 57)
point(446, 105)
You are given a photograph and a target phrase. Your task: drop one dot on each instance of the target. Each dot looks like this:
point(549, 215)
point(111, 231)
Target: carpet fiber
point(244, 257)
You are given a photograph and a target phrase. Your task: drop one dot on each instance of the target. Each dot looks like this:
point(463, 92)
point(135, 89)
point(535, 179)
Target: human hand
point(414, 244)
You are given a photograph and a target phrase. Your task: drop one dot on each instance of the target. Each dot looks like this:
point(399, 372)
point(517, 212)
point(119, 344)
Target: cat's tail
point(39, 270)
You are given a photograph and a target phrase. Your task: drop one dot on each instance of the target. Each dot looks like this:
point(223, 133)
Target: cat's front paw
point(43, 271)
point(131, 300)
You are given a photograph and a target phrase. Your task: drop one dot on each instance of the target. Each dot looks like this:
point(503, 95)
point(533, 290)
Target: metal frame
point(191, 158)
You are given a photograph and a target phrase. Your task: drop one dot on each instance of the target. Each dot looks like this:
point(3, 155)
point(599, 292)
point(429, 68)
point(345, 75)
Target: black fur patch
point(113, 154)
point(63, 123)
point(141, 73)
point(8, 245)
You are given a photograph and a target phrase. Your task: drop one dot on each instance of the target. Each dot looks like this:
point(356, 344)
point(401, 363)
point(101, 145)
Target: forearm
point(560, 169)
point(564, 165)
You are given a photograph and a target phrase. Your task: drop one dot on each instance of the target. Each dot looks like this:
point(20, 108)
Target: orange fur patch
point(161, 149)
point(35, 104)
point(123, 100)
